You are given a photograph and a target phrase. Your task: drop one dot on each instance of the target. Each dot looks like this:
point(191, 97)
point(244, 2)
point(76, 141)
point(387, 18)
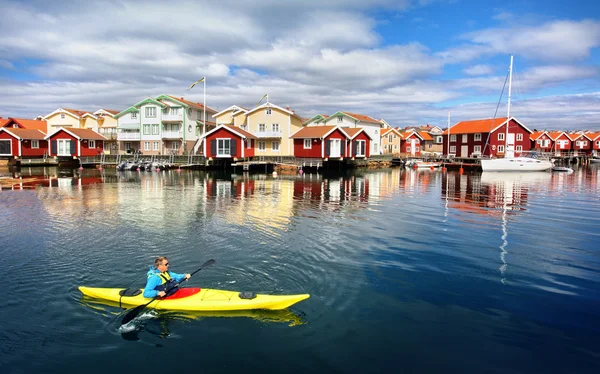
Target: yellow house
point(64, 117)
point(391, 140)
point(271, 124)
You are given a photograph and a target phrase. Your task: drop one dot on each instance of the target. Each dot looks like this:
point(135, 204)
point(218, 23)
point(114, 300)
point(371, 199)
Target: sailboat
point(510, 162)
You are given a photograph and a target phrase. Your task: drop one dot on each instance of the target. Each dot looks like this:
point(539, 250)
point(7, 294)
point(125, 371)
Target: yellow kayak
point(199, 299)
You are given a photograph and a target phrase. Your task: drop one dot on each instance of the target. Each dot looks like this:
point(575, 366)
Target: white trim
point(227, 128)
point(60, 110)
point(228, 109)
point(90, 115)
point(104, 111)
point(70, 133)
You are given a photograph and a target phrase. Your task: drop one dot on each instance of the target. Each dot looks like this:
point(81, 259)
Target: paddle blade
point(132, 314)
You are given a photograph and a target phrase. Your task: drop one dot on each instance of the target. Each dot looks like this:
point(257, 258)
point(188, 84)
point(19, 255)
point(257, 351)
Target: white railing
point(128, 136)
point(267, 134)
point(172, 134)
point(172, 117)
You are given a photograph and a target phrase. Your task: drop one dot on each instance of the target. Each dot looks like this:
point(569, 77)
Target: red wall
point(337, 134)
point(14, 142)
point(27, 151)
point(548, 148)
point(224, 134)
point(407, 143)
point(361, 136)
point(586, 149)
point(314, 152)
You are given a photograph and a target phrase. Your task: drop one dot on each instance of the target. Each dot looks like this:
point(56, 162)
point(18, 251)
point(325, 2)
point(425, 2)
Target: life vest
point(168, 284)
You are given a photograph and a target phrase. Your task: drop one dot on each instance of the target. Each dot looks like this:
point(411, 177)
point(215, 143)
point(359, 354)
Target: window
point(519, 137)
point(477, 137)
point(390, 138)
point(268, 111)
point(262, 127)
point(395, 146)
point(133, 115)
point(519, 148)
point(175, 146)
point(408, 149)
point(92, 144)
point(439, 139)
point(375, 148)
point(500, 136)
point(262, 146)
point(155, 146)
point(307, 143)
point(275, 146)
point(275, 127)
point(465, 138)
point(146, 146)
point(248, 143)
point(223, 147)
point(453, 149)
point(199, 114)
point(417, 149)
point(477, 149)
point(64, 147)
point(189, 128)
point(5, 147)
point(500, 149)
point(452, 138)
point(146, 129)
point(155, 129)
point(360, 147)
point(62, 116)
point(35, 144)
point(340, 119)
point(151, 112)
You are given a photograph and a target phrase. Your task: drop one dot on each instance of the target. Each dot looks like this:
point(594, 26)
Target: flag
point(266, 95)
point(196, 82)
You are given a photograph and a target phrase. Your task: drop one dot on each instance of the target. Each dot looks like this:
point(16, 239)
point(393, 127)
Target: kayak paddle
point(135, 311)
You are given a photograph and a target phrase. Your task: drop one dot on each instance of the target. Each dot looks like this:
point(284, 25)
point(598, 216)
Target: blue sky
point(408, 62)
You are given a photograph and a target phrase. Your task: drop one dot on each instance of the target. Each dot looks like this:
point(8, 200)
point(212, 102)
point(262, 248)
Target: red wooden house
point(359, 142)
point(595, 136)
point(541, 141)
point(581, 144)
point(227, 141)
point(486, 137)
point(562, 143)
point(411, 143)
point(19, 142)
point(325, 142)
point(71, 142)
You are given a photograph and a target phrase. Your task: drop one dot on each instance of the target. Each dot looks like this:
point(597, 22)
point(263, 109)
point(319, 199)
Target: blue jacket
point(154, 281)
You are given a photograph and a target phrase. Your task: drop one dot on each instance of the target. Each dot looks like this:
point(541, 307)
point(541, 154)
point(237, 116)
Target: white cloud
point(478, 70)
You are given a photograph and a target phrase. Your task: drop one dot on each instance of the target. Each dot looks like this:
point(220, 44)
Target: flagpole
point(204, 106)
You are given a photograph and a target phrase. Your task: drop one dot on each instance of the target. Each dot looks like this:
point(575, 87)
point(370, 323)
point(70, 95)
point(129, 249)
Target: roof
point(555, 134)
point(536, 135)
point(593, 135)
point(3, 121)
point(32, 124)
point(78, 113)
point(80, 133)
point(352, 132)
point(190, 103)
point(480, 126)
point(231, 108)
point(386, 131)
point(425, 135)
point(361, 117)
point(270, 105)
point(25, 133)
point(236, 130)
point(314, 132)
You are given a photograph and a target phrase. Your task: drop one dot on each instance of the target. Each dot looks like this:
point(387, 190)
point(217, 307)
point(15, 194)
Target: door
point(464, 151)
point(413, 143)
point(64, 147)
point(336, 146)
point(510, 146)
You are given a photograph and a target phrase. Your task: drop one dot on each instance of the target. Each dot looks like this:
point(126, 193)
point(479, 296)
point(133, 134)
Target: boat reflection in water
point(159, 322)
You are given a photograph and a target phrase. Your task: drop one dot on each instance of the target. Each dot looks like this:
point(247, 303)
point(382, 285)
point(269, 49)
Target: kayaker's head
point(162, 264)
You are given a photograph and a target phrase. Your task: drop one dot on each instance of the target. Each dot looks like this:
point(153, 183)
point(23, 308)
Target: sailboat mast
point(510, 69)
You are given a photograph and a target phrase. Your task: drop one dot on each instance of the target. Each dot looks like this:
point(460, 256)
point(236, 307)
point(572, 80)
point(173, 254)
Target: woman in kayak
point(161, 281)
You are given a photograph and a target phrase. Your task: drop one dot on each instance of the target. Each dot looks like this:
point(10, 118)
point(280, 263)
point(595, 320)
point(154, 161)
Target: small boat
point(562, 169)
point(199, 299)
point(418, 164)
point(595, 159)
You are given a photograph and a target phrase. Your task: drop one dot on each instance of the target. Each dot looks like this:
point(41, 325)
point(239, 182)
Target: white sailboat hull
point(516, 164)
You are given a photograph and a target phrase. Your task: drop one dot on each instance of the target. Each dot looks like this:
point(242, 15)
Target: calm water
point(408, 271)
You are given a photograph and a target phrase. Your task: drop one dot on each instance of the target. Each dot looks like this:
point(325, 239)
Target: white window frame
point(465, 138)
point(500, 149)
point(519, 137)
point(453, 149)
point(151, 112)
point(275, 146)
point(500, 136)
point(146, 129)
point(248, 143)
point(361, 146)
point(147, 146)
point(340, 119)
point(175, 145)
point(62, 116)
point(262, 146)
point(91, 144)
point(10, 147)
point(35, 144)
point(133, 115)
point(155, 129)
point(477, 149)
point(275, 127)
point(453, 138)
point(519, 148)
point(268, 111)
point(224, 147)
point(66, 144)
point(155, 146)
point(308, 142)
point(477, 137)
point(262, 127)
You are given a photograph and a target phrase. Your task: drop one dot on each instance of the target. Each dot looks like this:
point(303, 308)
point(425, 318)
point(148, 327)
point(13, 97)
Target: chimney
point(181, 98)
point(287, 107)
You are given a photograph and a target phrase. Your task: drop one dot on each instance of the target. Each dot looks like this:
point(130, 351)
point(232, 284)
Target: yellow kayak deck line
point(205, 300)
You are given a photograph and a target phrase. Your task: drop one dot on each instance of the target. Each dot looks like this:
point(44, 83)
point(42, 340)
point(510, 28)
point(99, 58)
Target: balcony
point(267, 134)
point(129, 135)
point(172, 134)
point(172, 117)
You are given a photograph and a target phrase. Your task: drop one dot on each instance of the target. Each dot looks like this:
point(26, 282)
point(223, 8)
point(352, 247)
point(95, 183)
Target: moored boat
point(197, 299)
